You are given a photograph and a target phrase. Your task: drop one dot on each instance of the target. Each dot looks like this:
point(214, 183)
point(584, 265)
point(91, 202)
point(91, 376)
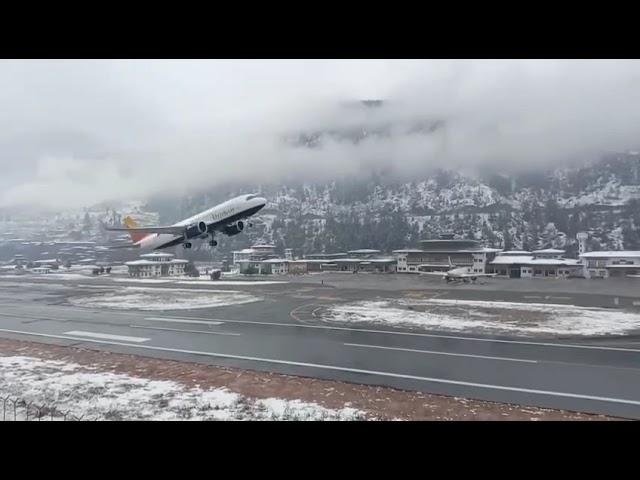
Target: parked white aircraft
point(460, 274)
point(226, 218)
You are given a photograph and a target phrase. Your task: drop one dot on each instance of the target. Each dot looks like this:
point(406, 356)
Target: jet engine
point(234, 229)
point(197, 230)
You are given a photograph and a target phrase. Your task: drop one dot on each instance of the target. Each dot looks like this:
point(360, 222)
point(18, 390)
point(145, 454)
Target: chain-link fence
point(15, 409)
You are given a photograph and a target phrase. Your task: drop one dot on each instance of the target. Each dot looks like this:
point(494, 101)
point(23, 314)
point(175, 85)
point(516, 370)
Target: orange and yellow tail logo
point(130, 223)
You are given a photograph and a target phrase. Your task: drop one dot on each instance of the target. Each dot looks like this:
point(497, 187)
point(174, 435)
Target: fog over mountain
point(80, 132)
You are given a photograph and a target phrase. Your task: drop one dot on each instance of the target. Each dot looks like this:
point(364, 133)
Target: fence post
point(4, 408)
point(28, 406)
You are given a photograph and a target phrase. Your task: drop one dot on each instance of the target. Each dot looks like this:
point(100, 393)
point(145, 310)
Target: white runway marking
point(199, 320)
point(185, 331)
point(181, 320)
point(487, 386)
point(432, 352)
point(107, 336)
point(410, 334)
point(547, 297)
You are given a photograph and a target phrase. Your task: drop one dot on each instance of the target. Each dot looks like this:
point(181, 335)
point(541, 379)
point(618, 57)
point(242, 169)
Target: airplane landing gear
point(213, 243)
point(186, 245)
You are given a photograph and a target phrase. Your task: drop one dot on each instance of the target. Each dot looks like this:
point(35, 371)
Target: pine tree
point(86, 225)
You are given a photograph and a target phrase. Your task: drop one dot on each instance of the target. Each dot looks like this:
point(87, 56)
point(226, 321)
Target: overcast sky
point(78, 132)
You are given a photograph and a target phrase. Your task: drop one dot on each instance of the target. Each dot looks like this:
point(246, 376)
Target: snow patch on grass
point(196, 281)
point(147, 298)
point(94, 394)
point(489, 317)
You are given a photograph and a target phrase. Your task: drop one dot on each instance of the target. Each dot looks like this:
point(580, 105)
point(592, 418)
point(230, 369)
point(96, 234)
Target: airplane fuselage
point(216, 219)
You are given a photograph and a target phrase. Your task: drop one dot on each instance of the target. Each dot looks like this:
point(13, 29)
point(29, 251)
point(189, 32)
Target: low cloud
point(82, 132)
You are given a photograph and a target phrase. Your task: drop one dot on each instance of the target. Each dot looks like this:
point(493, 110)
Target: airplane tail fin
point(131, 223)
point(450, 264)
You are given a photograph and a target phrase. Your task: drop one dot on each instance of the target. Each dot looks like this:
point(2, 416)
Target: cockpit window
point(250, 197)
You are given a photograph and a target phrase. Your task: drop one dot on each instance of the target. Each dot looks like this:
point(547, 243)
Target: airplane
point(460, 274)
point(225, 218)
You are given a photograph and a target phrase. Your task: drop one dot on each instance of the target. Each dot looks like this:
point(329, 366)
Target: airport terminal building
point(353, 261)
point(362, 260)
point(607, 264)
point(539, 263)
point(611, 264)
point(156, 265)
point(438, 255)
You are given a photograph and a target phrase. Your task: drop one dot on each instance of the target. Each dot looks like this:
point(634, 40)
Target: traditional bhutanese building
point(618, 263)
point(539, 263)
point(438, 255)
point(156, 265)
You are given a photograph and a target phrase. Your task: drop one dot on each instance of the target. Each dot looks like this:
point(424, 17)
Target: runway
point(281, 334)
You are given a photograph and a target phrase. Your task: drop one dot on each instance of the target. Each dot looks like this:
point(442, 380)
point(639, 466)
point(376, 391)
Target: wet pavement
point(287, 332)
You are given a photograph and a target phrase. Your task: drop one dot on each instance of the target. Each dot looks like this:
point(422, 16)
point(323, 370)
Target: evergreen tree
point(86, 225)
point(507, 242)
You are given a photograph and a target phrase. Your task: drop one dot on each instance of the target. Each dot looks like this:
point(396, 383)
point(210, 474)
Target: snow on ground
point(232, 282)
point(490, 317)
point(191, 281)
point(141, 280)
point(93, 394)
point(53, 276)
point(175, 280)
point(148, 298)
point(43, 286)
point(66, 276)
point(120, 269)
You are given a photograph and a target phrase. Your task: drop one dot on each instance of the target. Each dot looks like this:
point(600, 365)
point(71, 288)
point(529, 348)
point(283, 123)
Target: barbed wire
point(17, 409)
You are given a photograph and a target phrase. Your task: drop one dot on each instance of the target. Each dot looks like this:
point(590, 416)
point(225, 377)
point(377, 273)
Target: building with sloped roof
point(548, 263)
point(606, 264)
point(439, 255)
point(156, 264)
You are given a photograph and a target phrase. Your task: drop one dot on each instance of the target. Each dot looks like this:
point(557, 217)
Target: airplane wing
point(170, 230)
point(440, 274)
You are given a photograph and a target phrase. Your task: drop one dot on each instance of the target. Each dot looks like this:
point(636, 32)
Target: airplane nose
point(262, 201)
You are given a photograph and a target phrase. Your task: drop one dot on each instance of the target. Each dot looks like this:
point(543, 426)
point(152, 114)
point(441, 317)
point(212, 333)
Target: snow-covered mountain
point(380, 208)
point(533, 210)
